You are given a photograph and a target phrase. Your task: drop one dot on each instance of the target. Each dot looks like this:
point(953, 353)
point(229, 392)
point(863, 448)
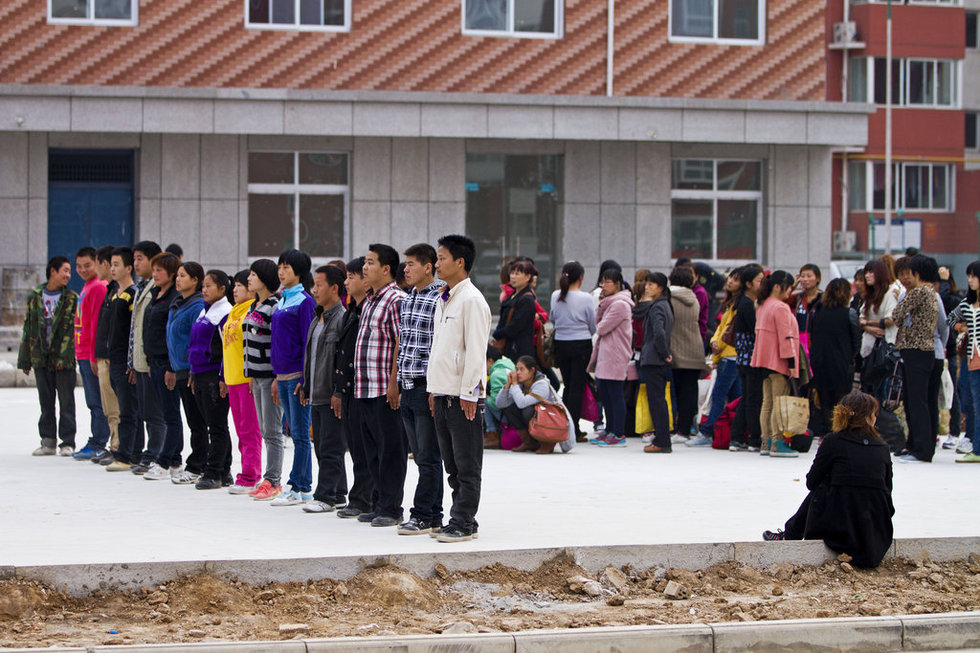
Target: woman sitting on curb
point(525, 387)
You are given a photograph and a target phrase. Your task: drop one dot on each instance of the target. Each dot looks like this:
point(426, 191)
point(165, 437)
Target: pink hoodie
point(614, 346)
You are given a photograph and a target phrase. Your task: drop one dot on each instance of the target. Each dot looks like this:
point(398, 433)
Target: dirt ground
point(559, 594)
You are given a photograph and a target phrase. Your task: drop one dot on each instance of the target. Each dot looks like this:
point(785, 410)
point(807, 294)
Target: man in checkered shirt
point(376, 385)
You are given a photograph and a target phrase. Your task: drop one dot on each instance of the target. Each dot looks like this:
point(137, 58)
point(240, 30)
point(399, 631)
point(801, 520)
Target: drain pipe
point(610, 45)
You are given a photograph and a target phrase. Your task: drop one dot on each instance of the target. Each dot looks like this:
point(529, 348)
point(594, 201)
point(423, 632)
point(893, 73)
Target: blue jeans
point(614, 403)
point(727, 388)
point(93, 399)
point(970, 402)
point(297, 417)
point(420, 429)
point(492, 420)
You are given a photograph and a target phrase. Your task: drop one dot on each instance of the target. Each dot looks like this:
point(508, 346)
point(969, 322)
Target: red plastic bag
point(723, 427)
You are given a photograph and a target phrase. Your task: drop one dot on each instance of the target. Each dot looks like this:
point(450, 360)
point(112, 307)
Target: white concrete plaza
point(61, 511)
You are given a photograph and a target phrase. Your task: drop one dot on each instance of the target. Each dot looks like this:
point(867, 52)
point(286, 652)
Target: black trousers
point(740, 423)
point(921, 394)
point(655, 378)
point(56, 384)
point(214, 410)
point(329, 445)
point(461, 446)
point(387, 454)
point(198, 457)
point(752, 398)
point(686, 387)
point(363, 494)
point(130, 428)
point(955, 412)
point(573, 359)
point(518, 418)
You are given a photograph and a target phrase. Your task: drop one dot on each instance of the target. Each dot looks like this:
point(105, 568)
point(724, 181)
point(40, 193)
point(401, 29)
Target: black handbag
point(880, 363)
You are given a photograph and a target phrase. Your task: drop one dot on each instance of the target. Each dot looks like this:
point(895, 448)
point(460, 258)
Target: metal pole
point(610, 45)
point(889, 191)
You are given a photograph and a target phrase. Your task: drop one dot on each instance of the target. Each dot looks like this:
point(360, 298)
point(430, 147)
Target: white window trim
point(511, 32)
point(296, 189)
point(928, 3)
point(714, 195)
point(296, 27)
point(716, 39)
point(903, 86)
point(898, 182)
point(97, 22)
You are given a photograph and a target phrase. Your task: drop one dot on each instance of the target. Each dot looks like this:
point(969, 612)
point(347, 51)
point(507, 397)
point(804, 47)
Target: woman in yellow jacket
point(236, 386)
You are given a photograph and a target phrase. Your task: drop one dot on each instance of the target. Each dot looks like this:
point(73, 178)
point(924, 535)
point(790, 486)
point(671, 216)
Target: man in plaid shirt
point(376, 385)
point(414, 343)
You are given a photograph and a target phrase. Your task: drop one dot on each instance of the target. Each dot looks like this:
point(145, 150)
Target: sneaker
point(267, 491)
point(184, 477)
point(950, 442)
point(599, 430)
point(753, 449)
point(652, 448)
point(156, 472)
point(738, 446)
point(259, 486)
point(100, 455)
point(292, 498)
point(598, 439)
point(434, 533)
point(453, 533)
point(969, 458)
point(349, 512)
point(677, 438)
point(118, 466)
point(909, 459)
point(699, 440)
point(139, 469)
point(65, 450)
point(415, 526)
point(227, 480)
point(613, 441)
point(367, 517)
point(770, 536)
point(44, 451)
point(782, 450)
point(384, 521)
point(965, 445)
point(205, 483)
point(318, 506)
point(240, 489)
point(85, 453)
point(107, 460)
point(647, 438)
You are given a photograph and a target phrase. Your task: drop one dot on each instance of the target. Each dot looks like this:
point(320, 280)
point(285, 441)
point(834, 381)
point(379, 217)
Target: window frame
point(902, 93)
point(976, 131)
point(715, 39)
point(296, 189)
point(932, 3)
point(297, 27)
point(511, 32)
point(715, 195)
point(900, 169)
point(92, 21)
point(976, 20)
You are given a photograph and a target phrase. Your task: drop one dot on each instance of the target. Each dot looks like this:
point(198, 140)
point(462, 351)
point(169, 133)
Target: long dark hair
point(973, 269)
point(195, 271)
point(875, 294)
point(530, 363)
point(661, 280)
point(616, 276)
point(837, 294)
point(301, 264)
point(852, 413)
point(780, 278)
point(571, 272)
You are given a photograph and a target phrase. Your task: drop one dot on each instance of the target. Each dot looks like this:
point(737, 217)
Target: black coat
point(518, 328)
point(850, 502)
point(835, 339)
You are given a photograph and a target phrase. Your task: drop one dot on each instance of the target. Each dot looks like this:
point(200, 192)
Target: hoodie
point(658, 323)
point(183, 312)
point(614, 345)
point(205, 346)
point(686, 345)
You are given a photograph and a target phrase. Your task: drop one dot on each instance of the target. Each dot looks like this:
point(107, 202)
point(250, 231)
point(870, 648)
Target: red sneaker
point(267, 491)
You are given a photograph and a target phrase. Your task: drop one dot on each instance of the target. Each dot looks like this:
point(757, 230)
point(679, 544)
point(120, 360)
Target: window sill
point(94, 22)
point(716, 41)
point(298, 28)
point(513, 35)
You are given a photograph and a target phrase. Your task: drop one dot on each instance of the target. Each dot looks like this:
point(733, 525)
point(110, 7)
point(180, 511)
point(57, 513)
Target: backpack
point(723, 426)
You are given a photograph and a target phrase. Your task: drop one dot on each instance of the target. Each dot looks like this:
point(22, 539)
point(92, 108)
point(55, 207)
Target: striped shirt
point(415, 334)
point(376, 338)
point(964, 312)
point(257, 338)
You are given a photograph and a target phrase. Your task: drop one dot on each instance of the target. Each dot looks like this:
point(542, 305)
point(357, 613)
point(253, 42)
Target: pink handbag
point(590, 409)
point(509, 437)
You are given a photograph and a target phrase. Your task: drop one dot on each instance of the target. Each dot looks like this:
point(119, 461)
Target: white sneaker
point(699, 441)
point(65, 450)
point(48, 451)
point(291, 498)
point(156, 473)
point(184, 477)
point(240, 489)
point(647, 438)
point(965, 445)
point(677, 438)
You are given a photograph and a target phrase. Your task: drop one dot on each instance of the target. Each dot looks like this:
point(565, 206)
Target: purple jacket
point(290, 323)
point(703, 300)
point(204, 350)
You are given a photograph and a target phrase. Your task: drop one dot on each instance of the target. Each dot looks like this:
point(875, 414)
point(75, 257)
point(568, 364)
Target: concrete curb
point(955, 631)
point(83, 579)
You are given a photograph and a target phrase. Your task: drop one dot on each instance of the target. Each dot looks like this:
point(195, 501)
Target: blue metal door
point(90, 201)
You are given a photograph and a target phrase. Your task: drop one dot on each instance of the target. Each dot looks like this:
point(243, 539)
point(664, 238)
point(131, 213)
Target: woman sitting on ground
point(525, 387)
point(849, 505)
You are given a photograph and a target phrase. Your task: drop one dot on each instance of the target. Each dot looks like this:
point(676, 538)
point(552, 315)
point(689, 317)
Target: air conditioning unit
point(846, 36)
point(845, 241)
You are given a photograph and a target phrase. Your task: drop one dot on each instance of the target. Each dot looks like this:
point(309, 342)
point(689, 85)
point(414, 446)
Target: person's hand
point(432, 405)
point(394, 396)
point(863, 322)
point(222, 389)
point(960, 327)
point(190, 383)
point(943, 273)
point(26, 372)
point(303, 399)
point(877, 332)
point(469, 408)
point(275, 392)
point(711, 366)
point(95, 367)
point(170, 380)
point(250, 386)
point(131, 375)
point(897, 292)
point(715, 347)
point(669, 358)
point(336, 405)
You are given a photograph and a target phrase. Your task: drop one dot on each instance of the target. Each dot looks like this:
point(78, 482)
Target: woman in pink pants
point(239, 391)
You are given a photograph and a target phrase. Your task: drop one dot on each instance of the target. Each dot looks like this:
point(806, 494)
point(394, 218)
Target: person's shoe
point(415, 526)
point(546, 447)
point(44, 450)
point(969, 458)
point(753, 449)
point(599, 430)
point(139, 469)
point(453, 533)
point(240, 489)
point(85, 453)
point(384, 521)
point(598, 439)
point(909, 459)
point(205, 483)
point(610, 441)
point(66, 450)
point(292, 498)
point(258, 486)
point(100, 455)
point(678, 438)
point(770, 536)
point(367, 517)
point(527, 442)
point(184, 477)
point(652, 448)
point(318, 506)
point(646, 438)
point(581, 437)
point(105, 461)
point(738, 446)
point(491, 440)
point(156, 472)
point(118, 466)
point(349, 512)
point(950, 442)
point(901, 452)
point(699, 440)
point(965, 445)
point(267, 492)
point(783, 450)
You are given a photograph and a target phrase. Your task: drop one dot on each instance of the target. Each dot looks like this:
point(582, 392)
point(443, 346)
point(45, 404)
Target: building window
point(972, 139)
point(93, 12)
point(738, 22)
point(947, 3)
point(716, 208)
point(920, 187)
point(915, 82)
point(971, 30)
point(304, 15)
point(298, 199)
point(523, 18)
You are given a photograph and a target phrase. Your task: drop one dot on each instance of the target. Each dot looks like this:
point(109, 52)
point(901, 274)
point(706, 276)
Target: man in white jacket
point(456, 378)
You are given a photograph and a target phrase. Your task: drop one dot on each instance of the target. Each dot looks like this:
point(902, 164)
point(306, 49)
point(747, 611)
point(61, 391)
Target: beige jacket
point(686, 345)
point(458, 358)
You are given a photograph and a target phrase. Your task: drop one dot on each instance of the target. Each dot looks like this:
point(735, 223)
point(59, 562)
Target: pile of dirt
point(496, 598)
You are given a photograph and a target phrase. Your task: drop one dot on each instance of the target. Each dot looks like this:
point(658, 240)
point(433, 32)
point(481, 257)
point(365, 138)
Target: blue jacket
point(290, 323)
point(183, 313)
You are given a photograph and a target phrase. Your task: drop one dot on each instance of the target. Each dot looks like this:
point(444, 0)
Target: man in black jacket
point(120, 319)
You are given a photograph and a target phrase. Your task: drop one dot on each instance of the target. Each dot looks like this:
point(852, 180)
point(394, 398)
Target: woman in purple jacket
point(204, 355)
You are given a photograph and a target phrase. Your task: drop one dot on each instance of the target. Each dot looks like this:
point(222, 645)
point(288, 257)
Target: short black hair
point(56, 263)
point(175, 249)
point(356, 266)
point(241, 277)
point(334, 275)
point(423, 253)
point(87, 252)
point(126, 254)
point(812, 267)
point(195, 271)
point(387, 255)
point(220, 278)
point(148, 247)
point(925, 267)
point(104, 253)
point(493, 354)
point(460, 247)
point(682, 276)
